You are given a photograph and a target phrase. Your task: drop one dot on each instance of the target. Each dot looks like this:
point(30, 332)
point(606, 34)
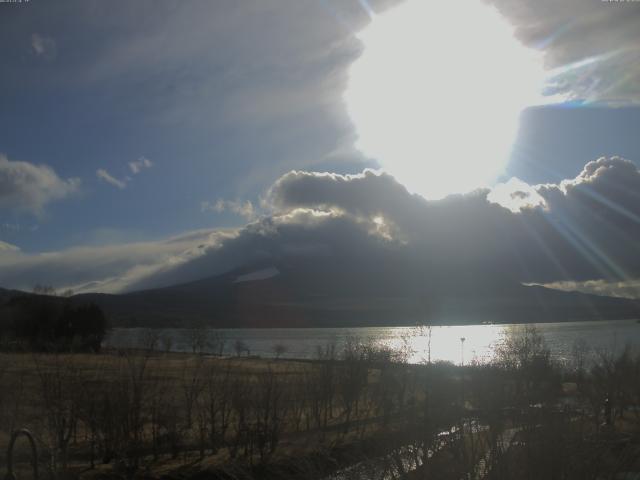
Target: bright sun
point(437, 93)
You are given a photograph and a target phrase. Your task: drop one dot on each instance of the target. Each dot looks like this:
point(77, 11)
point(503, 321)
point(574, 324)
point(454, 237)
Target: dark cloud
point(584, 229)
point(598, 40)
point(593, 221)
point(368, 194)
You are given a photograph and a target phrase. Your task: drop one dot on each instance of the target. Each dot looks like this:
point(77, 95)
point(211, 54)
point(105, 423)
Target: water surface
point(439, 343)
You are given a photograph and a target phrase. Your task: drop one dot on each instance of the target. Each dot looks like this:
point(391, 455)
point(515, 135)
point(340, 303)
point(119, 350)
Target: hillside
point(330, 295)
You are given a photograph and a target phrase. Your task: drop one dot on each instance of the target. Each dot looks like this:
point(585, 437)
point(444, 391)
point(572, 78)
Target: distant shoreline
point(439, 343)
point(425, 325)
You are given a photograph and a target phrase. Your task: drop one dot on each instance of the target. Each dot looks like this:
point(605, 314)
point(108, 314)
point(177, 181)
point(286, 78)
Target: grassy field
point(158, 412)
point(149, 414)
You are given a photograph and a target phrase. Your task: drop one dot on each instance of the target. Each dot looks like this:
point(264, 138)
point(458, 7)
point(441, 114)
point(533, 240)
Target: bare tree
point(320, 382)
point(91, 393)
point(352, 378)
point(130, 404)
point(279, 349)
point(240, 397)
point(40, 289)
point(192, 386)
point(59, 384)
point(217, 403)
point(578, 360)
point(149, 339)
point(269, 410)
point(240, 346)
point(197, 338)
point(167, 342)
point(217, 341)
point(525, 354)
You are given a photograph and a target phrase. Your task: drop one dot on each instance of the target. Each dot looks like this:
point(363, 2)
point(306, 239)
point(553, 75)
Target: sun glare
point(437, 93)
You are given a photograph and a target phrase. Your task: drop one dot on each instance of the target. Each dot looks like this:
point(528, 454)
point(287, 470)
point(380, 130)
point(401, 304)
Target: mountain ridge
point(331, 294)
point(327, 295)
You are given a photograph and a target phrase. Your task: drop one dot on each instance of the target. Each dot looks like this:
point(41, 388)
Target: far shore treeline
point(46, 323)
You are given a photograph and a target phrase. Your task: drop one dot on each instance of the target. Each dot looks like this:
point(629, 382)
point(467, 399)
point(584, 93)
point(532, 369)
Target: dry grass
point(44, 390)
point(178, 415)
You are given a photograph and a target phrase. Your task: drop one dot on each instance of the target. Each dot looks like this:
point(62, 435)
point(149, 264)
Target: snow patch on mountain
point(262, 274)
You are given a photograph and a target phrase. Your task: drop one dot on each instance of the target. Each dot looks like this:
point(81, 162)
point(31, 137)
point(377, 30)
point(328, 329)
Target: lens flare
point(437, 93)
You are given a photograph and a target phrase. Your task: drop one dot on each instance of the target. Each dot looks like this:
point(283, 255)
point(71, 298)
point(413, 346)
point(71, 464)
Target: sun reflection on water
point(438, 343)
point(444, 343)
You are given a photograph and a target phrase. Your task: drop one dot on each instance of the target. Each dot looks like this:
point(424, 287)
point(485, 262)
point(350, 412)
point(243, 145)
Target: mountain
point(307, 293)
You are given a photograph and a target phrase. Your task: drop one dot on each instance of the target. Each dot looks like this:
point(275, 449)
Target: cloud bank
point(584, 229)
point(109, 268)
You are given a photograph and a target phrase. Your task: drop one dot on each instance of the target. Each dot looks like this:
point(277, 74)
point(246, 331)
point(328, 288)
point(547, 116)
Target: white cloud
point(244, 209)
point(7, 247)
point(261, 274)
point(107, 268)
point(44, 46)
point(515, 195)
point(138, 165)
point(135, 166)
point(622, 289)
point(102, 174)
point(29, 187)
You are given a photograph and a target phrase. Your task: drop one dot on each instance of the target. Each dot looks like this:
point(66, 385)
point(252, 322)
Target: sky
point(152, 142)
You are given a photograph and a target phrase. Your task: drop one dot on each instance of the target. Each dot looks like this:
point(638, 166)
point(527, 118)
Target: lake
point(445, 342)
